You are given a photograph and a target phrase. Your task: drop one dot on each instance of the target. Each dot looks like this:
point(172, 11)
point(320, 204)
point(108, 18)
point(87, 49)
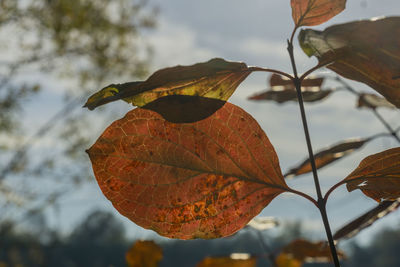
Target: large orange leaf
point(144, 254)
point(315, 12)
point(367, 51)
point(367, 219)
point(216, 79)
point(377, 176)
point(194, 180)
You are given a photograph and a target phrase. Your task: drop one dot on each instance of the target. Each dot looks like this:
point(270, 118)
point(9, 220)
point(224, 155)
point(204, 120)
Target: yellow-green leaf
point(215, 79)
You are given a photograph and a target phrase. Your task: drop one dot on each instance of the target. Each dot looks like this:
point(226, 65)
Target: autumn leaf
point(283, 90)
point(279, 80)
point(372, 101)
point(315, 12)
point(377, 176)
point(367, 51)
point(367, 219)
point(228, 262)
point(197, 180)
point(328, 155)
point(144, 254)
point(286, 95)
point(215, 79)
point(285, 260)
point(301, 251)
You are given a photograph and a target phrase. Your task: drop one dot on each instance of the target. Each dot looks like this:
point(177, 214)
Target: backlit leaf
point(191, 180)
point(367, 219)
point(367, 51)
point(306, 251)
point(279, 80)
point(227, 262)
point(286, 95)
point(144, 254)
point(373, 101)
point(315, 12)
point(216, 79)
point(377, 176)
point(328, 155)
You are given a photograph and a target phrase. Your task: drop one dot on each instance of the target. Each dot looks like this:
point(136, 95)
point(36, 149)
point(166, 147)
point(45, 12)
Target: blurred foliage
point(52, 50)
point(100, 240)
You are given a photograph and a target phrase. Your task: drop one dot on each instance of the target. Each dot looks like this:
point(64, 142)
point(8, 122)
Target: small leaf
point(200, 180)
point(228, 262)
point(216, 79)
point(367, 219)
point(373, 101)
point(315, 12)
point(367, 51)
point(144, 254)
point(263, 223)
point(285, 260)
point(279, 80)
point(306, 251)
point(377, 176)
point(286, 95)
point(328, 155)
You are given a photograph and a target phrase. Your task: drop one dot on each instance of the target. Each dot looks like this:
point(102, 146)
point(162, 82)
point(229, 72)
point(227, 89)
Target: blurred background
point(56, 53)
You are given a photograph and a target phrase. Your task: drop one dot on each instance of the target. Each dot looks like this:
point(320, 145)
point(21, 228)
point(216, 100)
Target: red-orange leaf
point(315, 12)
point(367, 219)
point(144, 254)
point(227, 262)
point(328, 155)
point(377, 176)
point(367, 51)
point(195, 180)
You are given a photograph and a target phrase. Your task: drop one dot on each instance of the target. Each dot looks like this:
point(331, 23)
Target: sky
point(255, 32)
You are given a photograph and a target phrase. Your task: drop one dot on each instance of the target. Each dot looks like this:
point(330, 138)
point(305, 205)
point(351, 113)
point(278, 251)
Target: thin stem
point(388, 127)
point(321, 204)
point(273, 71)
point(331, 190)
point(380, 118)
point(303, 195)
point(266, 248)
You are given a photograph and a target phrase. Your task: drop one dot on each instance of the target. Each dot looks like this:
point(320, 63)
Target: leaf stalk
point(321, 204)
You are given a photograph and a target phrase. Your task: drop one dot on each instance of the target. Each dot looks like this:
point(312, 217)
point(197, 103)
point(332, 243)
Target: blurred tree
point(52, 50)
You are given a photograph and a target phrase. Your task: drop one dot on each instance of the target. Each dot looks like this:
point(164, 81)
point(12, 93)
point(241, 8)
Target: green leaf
point(215, 79)
point(367, 51)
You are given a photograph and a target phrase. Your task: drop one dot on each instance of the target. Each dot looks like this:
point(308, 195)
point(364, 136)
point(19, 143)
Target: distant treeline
point(99, 241)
